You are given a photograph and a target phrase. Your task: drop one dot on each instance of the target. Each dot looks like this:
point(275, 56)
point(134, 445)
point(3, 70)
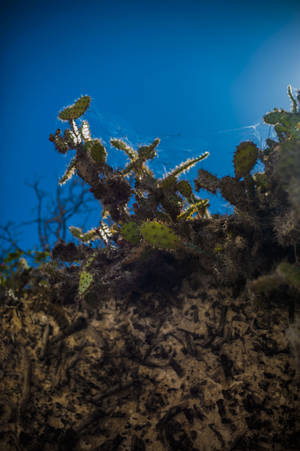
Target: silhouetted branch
point(51, 218)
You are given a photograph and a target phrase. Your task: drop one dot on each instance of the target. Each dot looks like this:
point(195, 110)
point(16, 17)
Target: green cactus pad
point(285, 122)
point(148, 152)
point(187, 165)
point(159, 235)
point(198, 207)
point(131, 232)
point(245, 158)
point(76, 232)
point(76, 110)
point(121, 145)
point(70, 171)
point(96, 150)
point(85, 281)
point(274, 117)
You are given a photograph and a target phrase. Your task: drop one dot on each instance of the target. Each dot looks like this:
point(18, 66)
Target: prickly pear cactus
point(184, 188)
point(70, 171)
point(159, 235)
point(244, 158)
point(85, 281)
point(76, 110)
point(86, 237)
point(207, 181)
point(287, 125)
point(131, 232)
point(61, 145)
point(168, 183)
point(232, 190)
point(148, 152)
point(70, 138)
point(96, 150)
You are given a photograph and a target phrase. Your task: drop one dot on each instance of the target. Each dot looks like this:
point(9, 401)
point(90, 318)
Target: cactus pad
point(85, 281)
point(285, 122)
point(148, 152)
point(86, 237)
point(275, 117)
point(232, 190)
point(207, 181)
point(131, 232)
point(159, 235)
point(96, 150)
point(121, 145)
point(76, 110)
point(70, 171)
point(245, 158)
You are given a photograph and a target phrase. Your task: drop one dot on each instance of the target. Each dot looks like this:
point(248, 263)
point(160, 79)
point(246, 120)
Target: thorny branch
point(51, 218)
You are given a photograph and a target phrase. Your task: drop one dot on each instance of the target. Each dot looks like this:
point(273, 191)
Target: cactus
point(96, 150)
point(165, 201)
point(91, 235)
point(76, 110)
point(232, 190)
point(121, 145)
point(168, 183)
point(85, 281)
point(184, 188)
point(86, 278)
point(199, 206)
point(261, 181)
point(84, 131)
point(138, 158)
point(60, 143)
point(244, 158)
point(185, 166)
point(294, 106)
point(207, 181)
point(148, 152)
point(159, 235)
point(287, 124)
point(71, 139)
point(131, 232)
point(70, 171)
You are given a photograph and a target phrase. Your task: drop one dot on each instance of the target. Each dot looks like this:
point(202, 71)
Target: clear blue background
point(199, 75)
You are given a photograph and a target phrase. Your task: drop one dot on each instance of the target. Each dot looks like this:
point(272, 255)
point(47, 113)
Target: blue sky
point(199, 75)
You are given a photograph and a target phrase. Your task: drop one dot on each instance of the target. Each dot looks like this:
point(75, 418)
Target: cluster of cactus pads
point(159, 203)
point(166, 213)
